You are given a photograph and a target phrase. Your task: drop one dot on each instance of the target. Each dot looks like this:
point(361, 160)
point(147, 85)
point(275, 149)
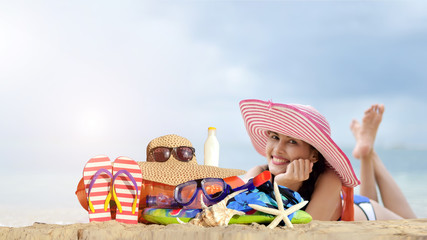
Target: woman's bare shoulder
point(325, 203)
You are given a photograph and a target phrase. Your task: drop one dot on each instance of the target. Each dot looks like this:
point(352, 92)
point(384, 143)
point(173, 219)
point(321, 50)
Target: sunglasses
point(182, 153)
point(213, 189)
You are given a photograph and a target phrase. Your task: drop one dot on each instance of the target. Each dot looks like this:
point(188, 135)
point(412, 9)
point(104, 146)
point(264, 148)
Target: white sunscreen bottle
point(211, 148)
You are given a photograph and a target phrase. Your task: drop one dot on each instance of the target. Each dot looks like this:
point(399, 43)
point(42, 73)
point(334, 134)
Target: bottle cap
point(211, 128)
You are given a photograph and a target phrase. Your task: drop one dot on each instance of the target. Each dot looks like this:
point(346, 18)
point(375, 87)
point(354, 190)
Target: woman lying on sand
point(302, 156)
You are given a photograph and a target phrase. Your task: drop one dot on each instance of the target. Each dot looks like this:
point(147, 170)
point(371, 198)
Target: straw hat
point(298, 121)
point(173, 171)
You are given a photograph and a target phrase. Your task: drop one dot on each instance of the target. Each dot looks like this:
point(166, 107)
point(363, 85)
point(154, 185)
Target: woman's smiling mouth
point(278, 160)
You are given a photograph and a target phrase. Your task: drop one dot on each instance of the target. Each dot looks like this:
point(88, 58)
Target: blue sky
point(82, 78)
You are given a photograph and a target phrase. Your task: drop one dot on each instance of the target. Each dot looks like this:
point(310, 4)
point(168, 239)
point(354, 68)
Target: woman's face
point(281, 150)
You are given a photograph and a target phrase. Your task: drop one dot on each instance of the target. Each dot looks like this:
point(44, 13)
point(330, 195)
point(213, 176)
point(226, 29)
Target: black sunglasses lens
point(161, 154)
point(184, 154)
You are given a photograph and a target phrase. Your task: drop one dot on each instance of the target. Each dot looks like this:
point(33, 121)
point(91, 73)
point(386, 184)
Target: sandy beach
point(396, 229)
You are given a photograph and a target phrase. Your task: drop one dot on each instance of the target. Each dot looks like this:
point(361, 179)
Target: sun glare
point(92, 124)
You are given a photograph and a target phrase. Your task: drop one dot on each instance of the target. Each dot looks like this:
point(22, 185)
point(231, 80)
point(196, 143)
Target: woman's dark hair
point(307, 188)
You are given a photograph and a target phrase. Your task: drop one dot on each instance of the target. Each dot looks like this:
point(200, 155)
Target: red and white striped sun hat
point(298, 121)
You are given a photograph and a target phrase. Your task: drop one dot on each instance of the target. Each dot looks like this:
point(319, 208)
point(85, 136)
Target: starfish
point(281, 213)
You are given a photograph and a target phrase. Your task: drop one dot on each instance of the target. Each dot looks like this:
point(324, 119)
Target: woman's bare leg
point(391, 195)
point(368, 186)
point(373, 171)
point(365, 134)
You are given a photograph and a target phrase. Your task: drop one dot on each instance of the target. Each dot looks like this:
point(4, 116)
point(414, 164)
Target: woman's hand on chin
point(296, 172)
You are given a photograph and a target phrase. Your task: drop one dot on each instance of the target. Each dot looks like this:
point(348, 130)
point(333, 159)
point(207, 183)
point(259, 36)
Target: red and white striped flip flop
point(97, 180)
point(126, 189)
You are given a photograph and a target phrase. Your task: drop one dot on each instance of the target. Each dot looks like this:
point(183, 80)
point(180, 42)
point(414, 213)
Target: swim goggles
point(213, 189)
point(182, 153)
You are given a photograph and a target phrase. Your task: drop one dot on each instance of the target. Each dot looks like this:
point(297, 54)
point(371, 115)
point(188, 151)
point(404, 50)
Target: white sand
point(396, 229)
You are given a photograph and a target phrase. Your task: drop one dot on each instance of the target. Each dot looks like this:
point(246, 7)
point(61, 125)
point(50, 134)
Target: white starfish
point(281, 213)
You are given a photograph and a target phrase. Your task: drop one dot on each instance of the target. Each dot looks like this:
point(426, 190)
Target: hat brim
point(177, 173)
point(261, 117)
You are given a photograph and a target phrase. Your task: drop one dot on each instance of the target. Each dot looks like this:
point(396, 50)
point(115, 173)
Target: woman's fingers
point(296, 172)
point(308, 167)
point(300, 169)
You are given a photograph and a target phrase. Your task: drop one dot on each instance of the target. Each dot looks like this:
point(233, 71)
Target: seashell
point(215, 215)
